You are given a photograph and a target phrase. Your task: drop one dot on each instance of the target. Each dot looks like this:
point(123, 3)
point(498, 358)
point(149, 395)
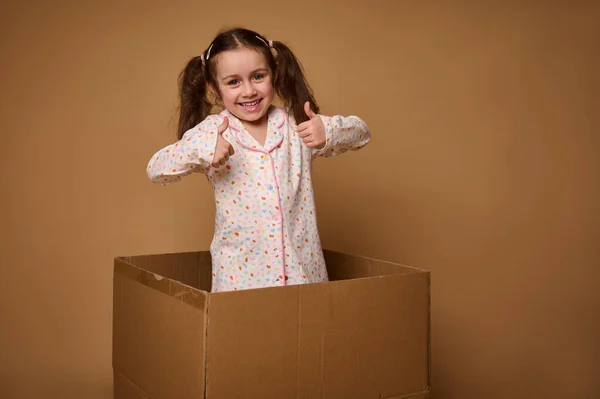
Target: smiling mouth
point(251, 104)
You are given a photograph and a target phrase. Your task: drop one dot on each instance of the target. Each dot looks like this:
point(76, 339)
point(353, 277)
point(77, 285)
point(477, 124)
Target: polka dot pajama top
point(265, 227)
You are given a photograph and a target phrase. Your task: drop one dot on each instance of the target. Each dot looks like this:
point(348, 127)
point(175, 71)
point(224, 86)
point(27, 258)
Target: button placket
point(273, 188)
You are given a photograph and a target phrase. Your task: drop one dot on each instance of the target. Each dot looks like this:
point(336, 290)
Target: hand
point(224, 149)
point(312, 131)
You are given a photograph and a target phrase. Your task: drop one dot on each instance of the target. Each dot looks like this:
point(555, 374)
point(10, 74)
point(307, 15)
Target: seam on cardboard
point(321, 367)
point(164, 285)
point(298, 346)
point(421, 394)
point(429, 329)
point(205, 359)
point(356, 255)
point(134, 385)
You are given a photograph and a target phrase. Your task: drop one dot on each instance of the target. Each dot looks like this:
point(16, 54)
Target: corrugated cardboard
point(365, 334)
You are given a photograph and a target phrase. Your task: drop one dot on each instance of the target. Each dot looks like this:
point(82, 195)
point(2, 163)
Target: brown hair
point(199, 74)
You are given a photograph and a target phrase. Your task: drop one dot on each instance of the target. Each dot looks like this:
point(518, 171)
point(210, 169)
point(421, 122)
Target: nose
point(248, 89)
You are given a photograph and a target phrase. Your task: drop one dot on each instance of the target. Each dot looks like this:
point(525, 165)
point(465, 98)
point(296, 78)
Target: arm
point(343, 134)
point(193, 153)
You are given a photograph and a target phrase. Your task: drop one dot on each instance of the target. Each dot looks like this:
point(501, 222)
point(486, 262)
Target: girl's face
point(245, 83)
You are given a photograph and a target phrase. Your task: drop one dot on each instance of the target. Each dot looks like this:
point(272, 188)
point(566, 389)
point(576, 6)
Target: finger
point(216, 159)
point(304, 133)
point(224, 125)
point(309, 112)
point(228, 148)
point(303, 126)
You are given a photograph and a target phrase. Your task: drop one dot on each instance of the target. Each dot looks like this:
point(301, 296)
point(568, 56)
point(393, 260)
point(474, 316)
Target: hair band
point(269, 44)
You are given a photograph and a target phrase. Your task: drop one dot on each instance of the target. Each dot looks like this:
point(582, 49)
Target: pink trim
point(280, 220)
point(237, 138)
point(235, 131)
point(282, 117)
point(265, 150)
point(276, 185)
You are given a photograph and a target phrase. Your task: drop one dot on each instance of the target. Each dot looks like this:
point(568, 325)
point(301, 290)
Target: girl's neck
point(258, 129)
point(262, 122)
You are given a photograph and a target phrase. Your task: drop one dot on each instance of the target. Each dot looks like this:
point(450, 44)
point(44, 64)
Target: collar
point(275, 119)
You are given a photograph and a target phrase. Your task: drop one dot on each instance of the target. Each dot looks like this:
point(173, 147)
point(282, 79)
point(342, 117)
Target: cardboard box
point(364, 335)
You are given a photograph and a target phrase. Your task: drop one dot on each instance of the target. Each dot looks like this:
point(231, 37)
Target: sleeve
point(343, 134)
point(193, 153)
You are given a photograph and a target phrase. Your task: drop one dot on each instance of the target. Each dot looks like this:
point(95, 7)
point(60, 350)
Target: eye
point(259, 76)
point(232, 82)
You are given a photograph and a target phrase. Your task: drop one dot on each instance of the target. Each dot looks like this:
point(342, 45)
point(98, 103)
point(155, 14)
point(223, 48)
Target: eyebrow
point(252, 73)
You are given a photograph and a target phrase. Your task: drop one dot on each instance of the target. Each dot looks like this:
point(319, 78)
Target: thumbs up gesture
point(312, 131)
point(224, 148)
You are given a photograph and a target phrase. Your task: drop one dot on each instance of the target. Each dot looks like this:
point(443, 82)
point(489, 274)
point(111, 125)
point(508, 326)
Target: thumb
point(224, 125)
point(309, 112)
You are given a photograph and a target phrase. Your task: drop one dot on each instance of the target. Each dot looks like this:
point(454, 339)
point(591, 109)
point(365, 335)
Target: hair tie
point(202, 58)
point(269, 44)
point(208, 51)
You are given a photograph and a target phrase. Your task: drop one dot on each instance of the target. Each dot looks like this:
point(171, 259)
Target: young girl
point(257, 158)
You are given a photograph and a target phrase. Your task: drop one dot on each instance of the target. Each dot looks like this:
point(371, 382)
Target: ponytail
point(194, 105)
point(291, 84)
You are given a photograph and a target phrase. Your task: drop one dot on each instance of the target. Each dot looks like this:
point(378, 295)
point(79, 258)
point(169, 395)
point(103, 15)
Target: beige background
point(483, 168)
